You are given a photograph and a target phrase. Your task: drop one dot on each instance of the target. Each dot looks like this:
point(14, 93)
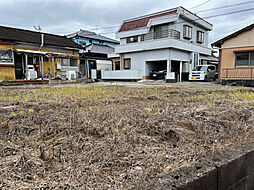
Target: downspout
point(42, 41)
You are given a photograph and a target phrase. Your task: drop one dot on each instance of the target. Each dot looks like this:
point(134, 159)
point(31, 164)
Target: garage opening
point(176, 68)
point(156, 70)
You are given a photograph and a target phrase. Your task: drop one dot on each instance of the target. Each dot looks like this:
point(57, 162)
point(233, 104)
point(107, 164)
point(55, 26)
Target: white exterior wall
point(179, 27)
point(139, 59)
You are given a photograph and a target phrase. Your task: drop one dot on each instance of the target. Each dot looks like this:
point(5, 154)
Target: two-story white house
point(174, 40)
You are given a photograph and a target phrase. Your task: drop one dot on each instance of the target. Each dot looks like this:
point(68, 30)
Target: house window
point(73, 62)
point(127, 64)
point(245, 59)
point(200, 36)
point(161, 31)
point(187, 32)
point(117, 65)
point(65, 62)
point(132, 39)
point(6, 57)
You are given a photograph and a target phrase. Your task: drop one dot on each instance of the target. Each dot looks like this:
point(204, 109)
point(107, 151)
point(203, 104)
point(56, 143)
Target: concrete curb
point(233, 170)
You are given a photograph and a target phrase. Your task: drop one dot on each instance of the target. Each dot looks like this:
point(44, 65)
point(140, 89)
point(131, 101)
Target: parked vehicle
point(158, 74)
point(203, 73)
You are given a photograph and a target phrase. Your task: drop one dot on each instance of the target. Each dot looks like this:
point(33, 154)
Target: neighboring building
point(27, 54)
point(97, 49)
point(174, 40)
point(237, 57)
point(86, 38)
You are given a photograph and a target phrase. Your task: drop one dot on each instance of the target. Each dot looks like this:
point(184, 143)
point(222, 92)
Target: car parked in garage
point(158, 74)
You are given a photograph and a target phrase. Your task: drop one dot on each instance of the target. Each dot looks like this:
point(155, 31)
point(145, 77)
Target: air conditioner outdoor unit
point(71, 75)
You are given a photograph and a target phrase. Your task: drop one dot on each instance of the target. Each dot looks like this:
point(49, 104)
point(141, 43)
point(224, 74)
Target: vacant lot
point(114, 137)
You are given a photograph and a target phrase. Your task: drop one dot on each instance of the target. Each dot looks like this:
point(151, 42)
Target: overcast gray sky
point(66, 16)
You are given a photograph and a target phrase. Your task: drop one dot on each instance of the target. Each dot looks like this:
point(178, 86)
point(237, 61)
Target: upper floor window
point(200, 36)
point(127, 64)
point(161, 31)
point(187, 32)
point(245, 59)
point(132, 39)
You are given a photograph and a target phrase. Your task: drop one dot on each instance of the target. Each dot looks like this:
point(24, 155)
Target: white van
point(203, 73)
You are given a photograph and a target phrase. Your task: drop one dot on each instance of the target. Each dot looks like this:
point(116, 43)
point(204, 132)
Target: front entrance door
point(19, 67)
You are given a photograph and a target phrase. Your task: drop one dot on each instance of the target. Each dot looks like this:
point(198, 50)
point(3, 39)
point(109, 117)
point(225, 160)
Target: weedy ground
point(114, 137)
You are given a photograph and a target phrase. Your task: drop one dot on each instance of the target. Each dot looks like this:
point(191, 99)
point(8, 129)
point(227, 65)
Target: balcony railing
point(237, 73)
point(171, 33)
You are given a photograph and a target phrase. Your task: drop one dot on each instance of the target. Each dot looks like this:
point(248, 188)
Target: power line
point(205, 10)
point(226, 6)
point(208, 17)
point(201, 4)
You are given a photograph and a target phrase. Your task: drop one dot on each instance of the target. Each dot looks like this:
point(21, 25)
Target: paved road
point(153, 83)
point(144, 83)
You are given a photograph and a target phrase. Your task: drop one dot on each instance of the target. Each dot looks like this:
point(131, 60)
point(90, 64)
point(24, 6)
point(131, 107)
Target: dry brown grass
point(114, 137)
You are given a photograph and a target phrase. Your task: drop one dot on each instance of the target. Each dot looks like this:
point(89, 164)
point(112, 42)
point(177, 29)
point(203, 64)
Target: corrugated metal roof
point(98, 48)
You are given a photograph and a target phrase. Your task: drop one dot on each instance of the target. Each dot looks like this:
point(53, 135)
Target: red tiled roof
point(139, 23)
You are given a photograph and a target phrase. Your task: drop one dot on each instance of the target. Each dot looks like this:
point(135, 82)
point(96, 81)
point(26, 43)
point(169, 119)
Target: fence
point(237, 73)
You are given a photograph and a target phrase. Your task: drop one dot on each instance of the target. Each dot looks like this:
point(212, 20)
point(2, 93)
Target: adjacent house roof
point(221, 41)
point(141, 22)
point(27, 36)
point(91, 35)
point(98, 48)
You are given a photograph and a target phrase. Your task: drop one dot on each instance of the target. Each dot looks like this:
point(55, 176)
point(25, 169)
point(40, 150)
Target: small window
point(132, 39)
point(6, 57)
point(74, 63)
point(200, 36)
point(187, 32)
point(117, 65)
point(127, 64)
point(65, 62)
point(245, 59)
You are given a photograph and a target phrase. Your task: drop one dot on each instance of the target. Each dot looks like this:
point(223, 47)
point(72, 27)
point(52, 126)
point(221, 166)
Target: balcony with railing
point(162, 39)
point(170, 33)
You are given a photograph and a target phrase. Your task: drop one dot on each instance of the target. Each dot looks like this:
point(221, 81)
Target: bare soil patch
point(115, 137)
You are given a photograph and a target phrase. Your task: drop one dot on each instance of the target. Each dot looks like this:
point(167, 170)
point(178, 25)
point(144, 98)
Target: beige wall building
point(237, 56)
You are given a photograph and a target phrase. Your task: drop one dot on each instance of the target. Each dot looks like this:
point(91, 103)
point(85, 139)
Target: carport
point(156, 69)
